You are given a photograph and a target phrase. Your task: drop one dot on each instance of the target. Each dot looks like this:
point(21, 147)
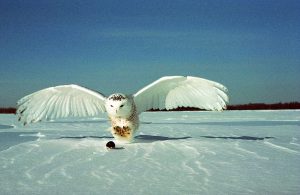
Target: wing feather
point(59, 102)
point(179, 91)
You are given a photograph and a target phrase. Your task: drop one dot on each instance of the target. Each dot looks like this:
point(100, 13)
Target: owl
point(123, 110)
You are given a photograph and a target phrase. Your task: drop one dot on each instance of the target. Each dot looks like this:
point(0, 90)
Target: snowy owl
point(123, 110)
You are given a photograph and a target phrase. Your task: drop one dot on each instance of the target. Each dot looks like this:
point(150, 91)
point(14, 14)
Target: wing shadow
point(79, 121)
point(10, 139)
point(6, 126)
point(238, 137)
point(154, 138)
point(84, 137)
point(230, 123)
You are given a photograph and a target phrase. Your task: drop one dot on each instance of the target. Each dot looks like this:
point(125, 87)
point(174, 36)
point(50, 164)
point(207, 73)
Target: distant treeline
point(250, 106)
point(8, 110)
point(262, 106)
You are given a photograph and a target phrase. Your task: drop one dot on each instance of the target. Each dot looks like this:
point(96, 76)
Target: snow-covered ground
point(231, 152)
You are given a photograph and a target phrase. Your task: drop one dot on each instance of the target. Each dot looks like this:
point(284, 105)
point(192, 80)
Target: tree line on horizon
point(250, 106)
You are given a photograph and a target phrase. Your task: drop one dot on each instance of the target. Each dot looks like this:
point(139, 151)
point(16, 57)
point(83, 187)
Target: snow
point(231, 152)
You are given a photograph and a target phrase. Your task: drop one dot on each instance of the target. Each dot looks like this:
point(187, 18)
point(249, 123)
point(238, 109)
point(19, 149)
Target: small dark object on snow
point(110, 145)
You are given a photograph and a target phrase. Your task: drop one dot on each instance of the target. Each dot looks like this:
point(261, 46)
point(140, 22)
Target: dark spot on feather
point(21, 112)
point(117, 97)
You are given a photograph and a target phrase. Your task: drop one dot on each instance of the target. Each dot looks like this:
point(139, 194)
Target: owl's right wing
point(59, 102)
point(179, 91)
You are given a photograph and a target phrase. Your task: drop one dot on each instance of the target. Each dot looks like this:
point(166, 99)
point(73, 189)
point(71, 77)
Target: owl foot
point(124, 131)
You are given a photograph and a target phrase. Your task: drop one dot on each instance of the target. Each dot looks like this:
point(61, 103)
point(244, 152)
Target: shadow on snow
point(78, 121)
point(153, 138)
point(138, 138)
point(238, 137)
point(9, 139)
point(84, 137)
point(6, 126)
point(232, 123)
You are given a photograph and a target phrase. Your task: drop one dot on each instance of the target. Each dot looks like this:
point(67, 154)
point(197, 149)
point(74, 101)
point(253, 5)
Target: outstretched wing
point(178, 91)
point(58, 102)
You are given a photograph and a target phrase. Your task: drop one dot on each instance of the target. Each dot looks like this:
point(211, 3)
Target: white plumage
point(123, 110)
point(59, 102)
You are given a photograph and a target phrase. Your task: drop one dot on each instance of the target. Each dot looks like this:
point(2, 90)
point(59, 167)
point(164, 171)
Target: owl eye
point(121, 105)
point(111, 106)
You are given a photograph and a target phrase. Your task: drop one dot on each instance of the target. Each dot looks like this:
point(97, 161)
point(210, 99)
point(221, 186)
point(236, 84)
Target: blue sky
point(252, 47)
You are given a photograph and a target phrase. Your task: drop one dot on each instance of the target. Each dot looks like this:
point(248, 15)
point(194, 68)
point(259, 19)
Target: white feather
point(60, 101)
point(176, 91)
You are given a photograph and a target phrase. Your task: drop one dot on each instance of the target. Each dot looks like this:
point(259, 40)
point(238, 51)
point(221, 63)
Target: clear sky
point(252, 47)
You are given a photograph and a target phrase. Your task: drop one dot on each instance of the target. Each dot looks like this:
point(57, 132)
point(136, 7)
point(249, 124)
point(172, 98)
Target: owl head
point(118, 105)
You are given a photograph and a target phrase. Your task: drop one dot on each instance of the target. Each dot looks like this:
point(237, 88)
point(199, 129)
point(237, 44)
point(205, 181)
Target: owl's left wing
point(60, 102)
point(179, 91)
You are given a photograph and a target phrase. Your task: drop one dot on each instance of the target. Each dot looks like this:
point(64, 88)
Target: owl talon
point(123, 131)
